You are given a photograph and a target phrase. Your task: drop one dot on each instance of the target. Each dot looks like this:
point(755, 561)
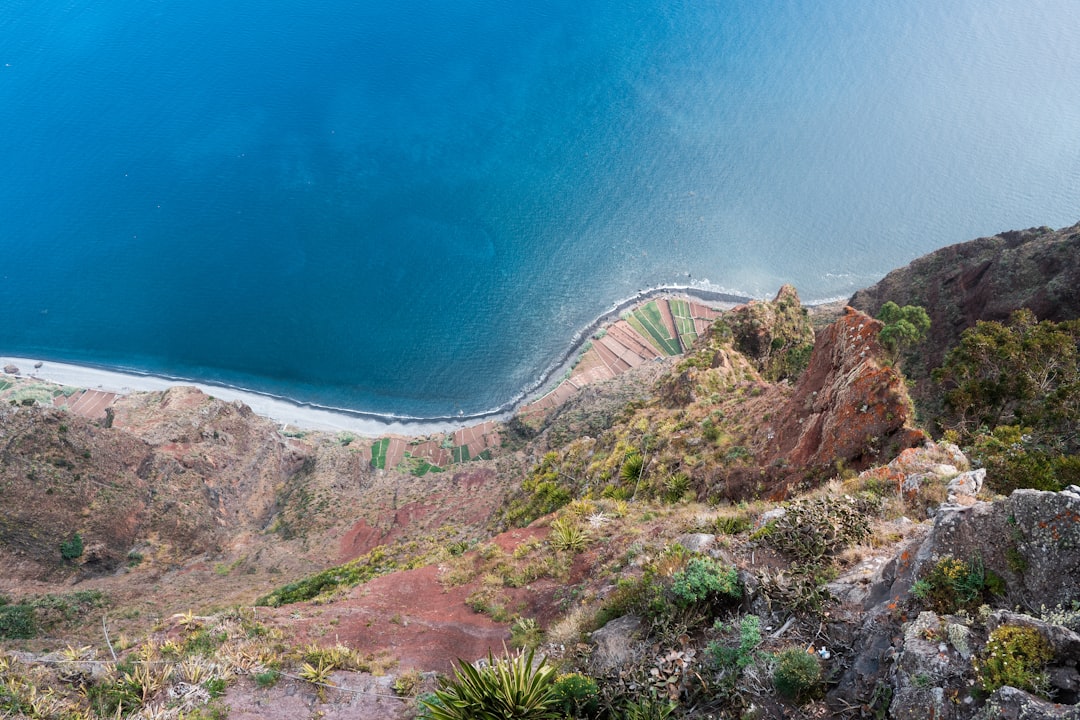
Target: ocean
point(413, 208)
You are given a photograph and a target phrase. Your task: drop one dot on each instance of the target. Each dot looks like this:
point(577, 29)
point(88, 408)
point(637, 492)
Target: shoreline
point(289, 412)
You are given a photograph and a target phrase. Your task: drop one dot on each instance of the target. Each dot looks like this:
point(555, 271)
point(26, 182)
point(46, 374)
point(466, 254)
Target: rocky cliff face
point(848, 407)
point(777, 335)
point(984, 279)
point(185, 469)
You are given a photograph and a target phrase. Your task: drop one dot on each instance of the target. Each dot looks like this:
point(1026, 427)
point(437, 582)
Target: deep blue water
point(411, 207)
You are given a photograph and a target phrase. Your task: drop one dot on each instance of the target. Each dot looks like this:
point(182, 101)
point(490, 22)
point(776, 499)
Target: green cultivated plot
point(684, 321)
point(460, 453)
point(417, 466)
point(378, 453)
point(647, 321)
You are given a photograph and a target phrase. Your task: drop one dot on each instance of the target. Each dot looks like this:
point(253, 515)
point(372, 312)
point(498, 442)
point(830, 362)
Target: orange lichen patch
point(847, 405)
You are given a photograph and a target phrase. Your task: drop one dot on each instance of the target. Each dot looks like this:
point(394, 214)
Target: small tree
point(903, 326)
point(1025, 373)
point(73, 548)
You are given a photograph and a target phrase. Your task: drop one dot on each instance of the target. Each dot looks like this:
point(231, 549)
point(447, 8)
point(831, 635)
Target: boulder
point(1031, 539)
point(926, 667)
point(615, 644)
point(1008, 703)
point(11, 370)
point(696, 542)
point(965, 486)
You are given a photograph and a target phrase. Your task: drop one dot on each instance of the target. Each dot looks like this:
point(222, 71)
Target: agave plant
point(510, 688)
point(567, 536)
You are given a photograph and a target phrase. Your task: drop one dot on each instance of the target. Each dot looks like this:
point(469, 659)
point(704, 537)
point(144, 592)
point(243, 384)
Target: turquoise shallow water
point(412, 208)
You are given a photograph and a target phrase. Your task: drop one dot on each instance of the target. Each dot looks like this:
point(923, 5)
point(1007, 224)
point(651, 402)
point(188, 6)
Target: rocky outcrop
point(1008, 703)
point(777, 335)
point(616, 644)
point(848, 407)
point(984, 279)
point(190, 471)
point(1031, 539)
point(922, 662)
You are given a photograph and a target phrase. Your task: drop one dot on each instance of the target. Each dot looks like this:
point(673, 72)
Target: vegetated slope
point(983, 279)
point(619, 554)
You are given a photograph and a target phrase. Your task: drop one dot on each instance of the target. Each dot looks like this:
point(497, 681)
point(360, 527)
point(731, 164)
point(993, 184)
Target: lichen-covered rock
point(615, 644)
point(965, 486)
point(1031, 539)
point(1008, 703)
point(924, 683)
point(849, 406)
point(696, 542)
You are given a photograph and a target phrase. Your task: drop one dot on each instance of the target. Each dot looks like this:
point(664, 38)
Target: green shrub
point(902, 326)
point(703, 579)
point(375, 563)
point(542, 492)
point(215, 687)
point(725, 657)
point(952, 585)
point(267, 679)
point(510, 688)
point(576, 696)
point(525, 633)
point(73, 548)
point(1015, 655)
point(1014, 460)
point(798, 674)
point(1025, 373)
point(17, 622)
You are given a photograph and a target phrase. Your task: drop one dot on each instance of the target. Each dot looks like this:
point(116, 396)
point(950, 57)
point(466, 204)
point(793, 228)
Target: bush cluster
point(812, 529)
point(676, 581)
point(798, 674)
point(1015, 655)
point(377, 562)
point(1011, 396)
point(953, 584)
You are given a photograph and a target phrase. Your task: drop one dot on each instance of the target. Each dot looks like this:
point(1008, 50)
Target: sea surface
point(413, 207)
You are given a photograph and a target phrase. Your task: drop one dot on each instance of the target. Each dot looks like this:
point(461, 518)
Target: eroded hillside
point(755, 528)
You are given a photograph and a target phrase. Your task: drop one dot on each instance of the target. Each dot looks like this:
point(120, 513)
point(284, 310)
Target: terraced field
point(660, 327)
point(649, 322)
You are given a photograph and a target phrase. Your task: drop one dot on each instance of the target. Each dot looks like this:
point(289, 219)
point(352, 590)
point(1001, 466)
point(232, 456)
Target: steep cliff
point(983, 279)
point(849, 408)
